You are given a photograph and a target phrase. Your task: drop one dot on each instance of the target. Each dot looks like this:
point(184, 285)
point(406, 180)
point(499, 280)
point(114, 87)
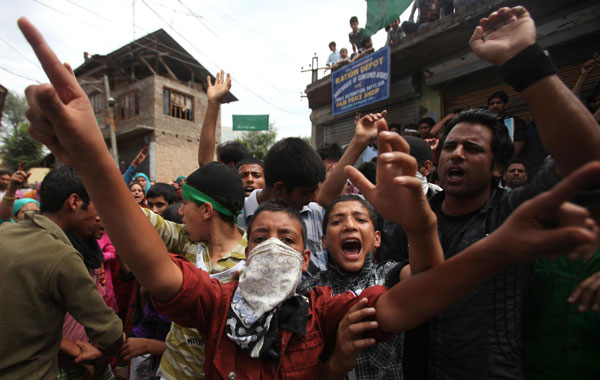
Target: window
point(98, 102)
point(129, 106)
point(178, 105)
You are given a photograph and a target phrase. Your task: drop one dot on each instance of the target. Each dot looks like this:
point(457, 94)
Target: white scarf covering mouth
point(273, 271)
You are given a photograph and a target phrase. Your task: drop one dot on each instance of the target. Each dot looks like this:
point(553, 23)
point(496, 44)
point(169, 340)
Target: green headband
point(192, 194)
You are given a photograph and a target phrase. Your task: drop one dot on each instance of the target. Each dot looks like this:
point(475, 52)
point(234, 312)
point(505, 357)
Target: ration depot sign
point(363, 82)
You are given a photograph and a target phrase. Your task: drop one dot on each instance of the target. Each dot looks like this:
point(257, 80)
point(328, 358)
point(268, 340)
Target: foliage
point(14, 111)
point(20, 147)
point(258, 142)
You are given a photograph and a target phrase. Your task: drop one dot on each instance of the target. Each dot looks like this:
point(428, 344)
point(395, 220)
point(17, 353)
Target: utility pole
point(113, 137)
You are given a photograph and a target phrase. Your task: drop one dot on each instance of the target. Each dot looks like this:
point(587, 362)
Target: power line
point(21, 54)
point(19, 75)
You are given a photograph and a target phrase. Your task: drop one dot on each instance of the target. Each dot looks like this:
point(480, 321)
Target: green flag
point(381, 13)
point(250, 122)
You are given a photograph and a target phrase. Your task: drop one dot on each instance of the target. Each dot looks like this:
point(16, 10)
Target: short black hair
point(515, 161)
point(231, 152)
point(396, 126)
point(369, 170)
point(166, 190)
point(427, 120)
point(500, 95)
point(502, 146)
point(5, 172)
point(332, 151)
point(332, 43)
point(172, 213)
point(279, 205)
point(353, 19)
point(250, 161)
point(57, 187)
point(295, 163)
point(222, 183)
point(349, 198)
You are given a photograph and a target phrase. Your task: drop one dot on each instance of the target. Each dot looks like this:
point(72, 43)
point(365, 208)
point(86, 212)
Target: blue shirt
point(333, 58)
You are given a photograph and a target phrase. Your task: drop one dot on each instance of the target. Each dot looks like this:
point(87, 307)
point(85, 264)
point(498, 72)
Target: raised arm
point(137, 161)
point(542, 225)
point(62, 118)
point(365, 131)
point(505, 38)
point(17, 179)
point(215, 94)
point(586, 69)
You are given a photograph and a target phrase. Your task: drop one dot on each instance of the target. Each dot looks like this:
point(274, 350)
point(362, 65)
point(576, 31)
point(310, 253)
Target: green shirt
point(41, 278)
point(560, 342)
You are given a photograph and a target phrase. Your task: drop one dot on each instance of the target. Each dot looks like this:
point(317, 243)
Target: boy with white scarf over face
point(62, 118)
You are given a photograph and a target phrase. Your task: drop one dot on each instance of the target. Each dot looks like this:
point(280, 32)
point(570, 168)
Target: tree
point(14, 111)
point(20, 147)
point(259, 142)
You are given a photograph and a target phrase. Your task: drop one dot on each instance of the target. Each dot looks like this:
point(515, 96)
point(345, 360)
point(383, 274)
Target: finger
point(59, 76)
point(359, 180)
point(564, 190)
point(20, 167)
point(566, 239)
point(381, 125)
point(361, 303)
point(588, 294)
point(409, 182)
point(360, 315)
point(209, 81)
point(519, 12)
point(228, 80)
point(361, 344)
point(70, 69)
point(359, 328)
point(476, 39)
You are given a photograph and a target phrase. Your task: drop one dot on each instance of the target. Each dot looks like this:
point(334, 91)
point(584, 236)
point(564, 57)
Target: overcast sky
point(263, 44)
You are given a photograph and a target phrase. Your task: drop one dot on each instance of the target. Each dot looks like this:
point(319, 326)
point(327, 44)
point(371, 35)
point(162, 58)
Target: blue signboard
point(363, 82)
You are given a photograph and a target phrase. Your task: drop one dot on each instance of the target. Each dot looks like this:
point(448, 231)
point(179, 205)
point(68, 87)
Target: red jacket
point(203, 303)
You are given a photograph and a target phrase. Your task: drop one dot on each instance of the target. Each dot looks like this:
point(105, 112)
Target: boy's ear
point(324, 241)
point(72, 202)
point(208, 210)
point(377, 239)
point(279, 189)
point(305, 259)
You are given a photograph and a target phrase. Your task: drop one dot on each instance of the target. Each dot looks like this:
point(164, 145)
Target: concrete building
point(434, 72)
point(159, 93)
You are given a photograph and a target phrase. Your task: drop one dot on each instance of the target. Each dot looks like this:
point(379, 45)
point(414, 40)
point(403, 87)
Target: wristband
point(527, 67)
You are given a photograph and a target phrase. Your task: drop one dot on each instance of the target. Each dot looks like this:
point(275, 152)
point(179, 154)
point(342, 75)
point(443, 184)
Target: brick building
point(159, 93)
point(434, 72)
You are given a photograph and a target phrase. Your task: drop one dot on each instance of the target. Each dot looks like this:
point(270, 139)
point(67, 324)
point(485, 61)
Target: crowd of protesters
point(438, 250)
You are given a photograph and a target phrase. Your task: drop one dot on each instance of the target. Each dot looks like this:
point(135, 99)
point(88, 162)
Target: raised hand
point(61, 115)
point(503, 34)
point(18, 178)
point(548, 225)
point(216, 92)
point(397, 196)
point(140, 157)
point(367, 126)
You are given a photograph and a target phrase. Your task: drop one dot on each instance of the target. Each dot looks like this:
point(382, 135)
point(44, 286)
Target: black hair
point(222, 183)
point(500, 95)
point(332, 43)
point(5, 172)
point(57, 187)
point(427, 120)
point(332, 151)
point(279, 205)
point(172, 213)
point(349, 198)
point(353, 19)
point(515, 161)
point(295, 163)
point(369, 170)
point(250, 161)
point(501, 146)
point(396, 126)
point(166, 190)
point(231, 152)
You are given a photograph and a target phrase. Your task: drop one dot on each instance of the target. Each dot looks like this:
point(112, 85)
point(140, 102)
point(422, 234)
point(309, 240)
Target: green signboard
point(250, 122)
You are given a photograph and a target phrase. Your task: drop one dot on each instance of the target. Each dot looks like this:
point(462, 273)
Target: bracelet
point(527, 67)
point(7, 199)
